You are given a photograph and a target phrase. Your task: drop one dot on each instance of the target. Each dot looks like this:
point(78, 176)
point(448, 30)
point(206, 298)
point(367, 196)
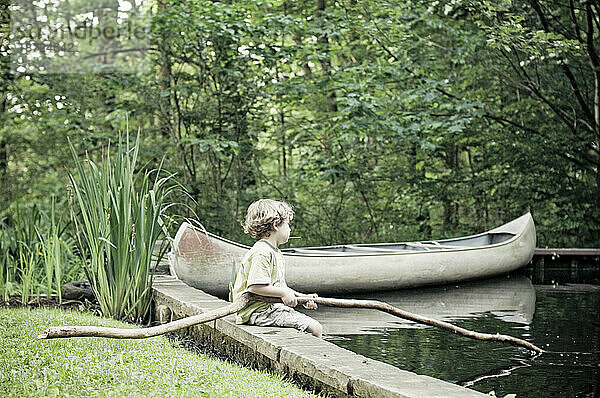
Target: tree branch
point(595, 63)
point(530, 86)
point(574, 20)
point(118, 333)
point(502, 121)
point(566, 70)
point(597, 15)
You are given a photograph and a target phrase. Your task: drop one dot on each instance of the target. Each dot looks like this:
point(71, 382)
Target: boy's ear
point(275, 227)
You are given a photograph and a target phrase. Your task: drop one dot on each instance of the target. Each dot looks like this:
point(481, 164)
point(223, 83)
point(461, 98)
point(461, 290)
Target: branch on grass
point(118, 333)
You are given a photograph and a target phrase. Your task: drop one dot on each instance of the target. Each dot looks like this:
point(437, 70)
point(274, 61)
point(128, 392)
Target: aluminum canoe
point(206, 261)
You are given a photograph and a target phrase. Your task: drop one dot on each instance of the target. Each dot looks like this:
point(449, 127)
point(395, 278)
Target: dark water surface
point(556, 319)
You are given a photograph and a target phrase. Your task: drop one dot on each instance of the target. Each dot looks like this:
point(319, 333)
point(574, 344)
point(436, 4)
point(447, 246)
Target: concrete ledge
point(312, 361)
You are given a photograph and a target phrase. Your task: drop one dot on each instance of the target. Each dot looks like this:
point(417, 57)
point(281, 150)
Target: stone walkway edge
point(311, 361)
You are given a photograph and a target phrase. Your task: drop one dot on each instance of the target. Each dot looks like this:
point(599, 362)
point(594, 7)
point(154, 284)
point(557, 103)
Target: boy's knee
point(315, 329)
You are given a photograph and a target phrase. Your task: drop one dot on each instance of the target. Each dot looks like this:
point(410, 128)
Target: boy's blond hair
point(263, 213)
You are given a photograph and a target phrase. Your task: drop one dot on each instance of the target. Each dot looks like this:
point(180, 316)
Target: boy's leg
point(284, 316)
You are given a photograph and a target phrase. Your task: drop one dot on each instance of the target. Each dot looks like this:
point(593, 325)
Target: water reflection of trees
point(435, 352)
point(563, 321)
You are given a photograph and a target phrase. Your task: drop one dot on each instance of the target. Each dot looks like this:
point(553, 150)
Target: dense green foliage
point(115, 368)
point(377, 120)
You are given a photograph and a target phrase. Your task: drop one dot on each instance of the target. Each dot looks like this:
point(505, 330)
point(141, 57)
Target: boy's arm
point(287, 295)
point(298, 294)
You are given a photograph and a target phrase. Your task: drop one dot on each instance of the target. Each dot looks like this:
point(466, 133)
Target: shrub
point(122, 215)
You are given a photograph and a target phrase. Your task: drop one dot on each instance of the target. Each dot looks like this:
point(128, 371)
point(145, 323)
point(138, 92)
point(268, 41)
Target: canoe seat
point(350, 250)
point(434, 245)
point(437, 245)
point(371, 249)
point(318, 252)
point(419, 245)
point(408, 247)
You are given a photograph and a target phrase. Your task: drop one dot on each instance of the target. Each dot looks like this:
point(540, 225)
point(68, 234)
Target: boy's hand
point(311, 305)
point(289, 298)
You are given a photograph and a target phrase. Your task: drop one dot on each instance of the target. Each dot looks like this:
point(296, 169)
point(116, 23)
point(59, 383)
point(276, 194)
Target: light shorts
point(280, 315)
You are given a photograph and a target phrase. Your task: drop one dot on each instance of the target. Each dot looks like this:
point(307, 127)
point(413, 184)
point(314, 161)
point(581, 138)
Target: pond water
point(554, 318)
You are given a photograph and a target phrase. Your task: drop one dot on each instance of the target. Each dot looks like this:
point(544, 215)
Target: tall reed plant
point(36, 253)
point(8, 285)
point(27, 267)
point(19, 253)
point(122, 215)
point(57, 250)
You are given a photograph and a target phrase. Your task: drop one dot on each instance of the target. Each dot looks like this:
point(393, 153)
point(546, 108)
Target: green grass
point(96, 367)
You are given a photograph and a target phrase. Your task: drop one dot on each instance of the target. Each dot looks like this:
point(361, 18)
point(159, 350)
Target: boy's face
point(282, 233)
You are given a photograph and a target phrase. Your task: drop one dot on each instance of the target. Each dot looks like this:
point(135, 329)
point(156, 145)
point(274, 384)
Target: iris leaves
point(122, 215)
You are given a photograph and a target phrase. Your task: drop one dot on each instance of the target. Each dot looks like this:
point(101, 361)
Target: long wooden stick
point(141, 333)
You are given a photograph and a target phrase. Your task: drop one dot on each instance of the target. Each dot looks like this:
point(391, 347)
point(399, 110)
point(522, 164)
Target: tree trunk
point(283, 141)
point(450, 204)
point(107, 16)
point(326, 63)
point(3, 159)
point(163, 113)
point(96, 331)
point(3, 143)
point(5, 79)
point(595, 65)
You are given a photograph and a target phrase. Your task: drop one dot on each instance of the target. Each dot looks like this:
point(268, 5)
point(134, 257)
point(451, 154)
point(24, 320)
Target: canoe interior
point(473, 241)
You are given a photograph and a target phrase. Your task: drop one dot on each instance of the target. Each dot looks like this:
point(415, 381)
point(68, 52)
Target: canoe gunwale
point(382, 251)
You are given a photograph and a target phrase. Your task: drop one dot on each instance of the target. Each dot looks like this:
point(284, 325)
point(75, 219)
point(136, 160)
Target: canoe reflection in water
point(509, 298)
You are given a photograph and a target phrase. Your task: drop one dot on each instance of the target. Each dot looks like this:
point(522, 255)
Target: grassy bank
point(94, 367)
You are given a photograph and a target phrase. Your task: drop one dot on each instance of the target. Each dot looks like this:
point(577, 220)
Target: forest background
point(377, 120)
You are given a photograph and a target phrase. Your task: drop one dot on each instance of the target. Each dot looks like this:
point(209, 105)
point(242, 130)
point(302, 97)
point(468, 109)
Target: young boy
point(263, 271)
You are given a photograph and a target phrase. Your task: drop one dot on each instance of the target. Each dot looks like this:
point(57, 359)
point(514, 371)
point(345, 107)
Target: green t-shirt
point(262, 265)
